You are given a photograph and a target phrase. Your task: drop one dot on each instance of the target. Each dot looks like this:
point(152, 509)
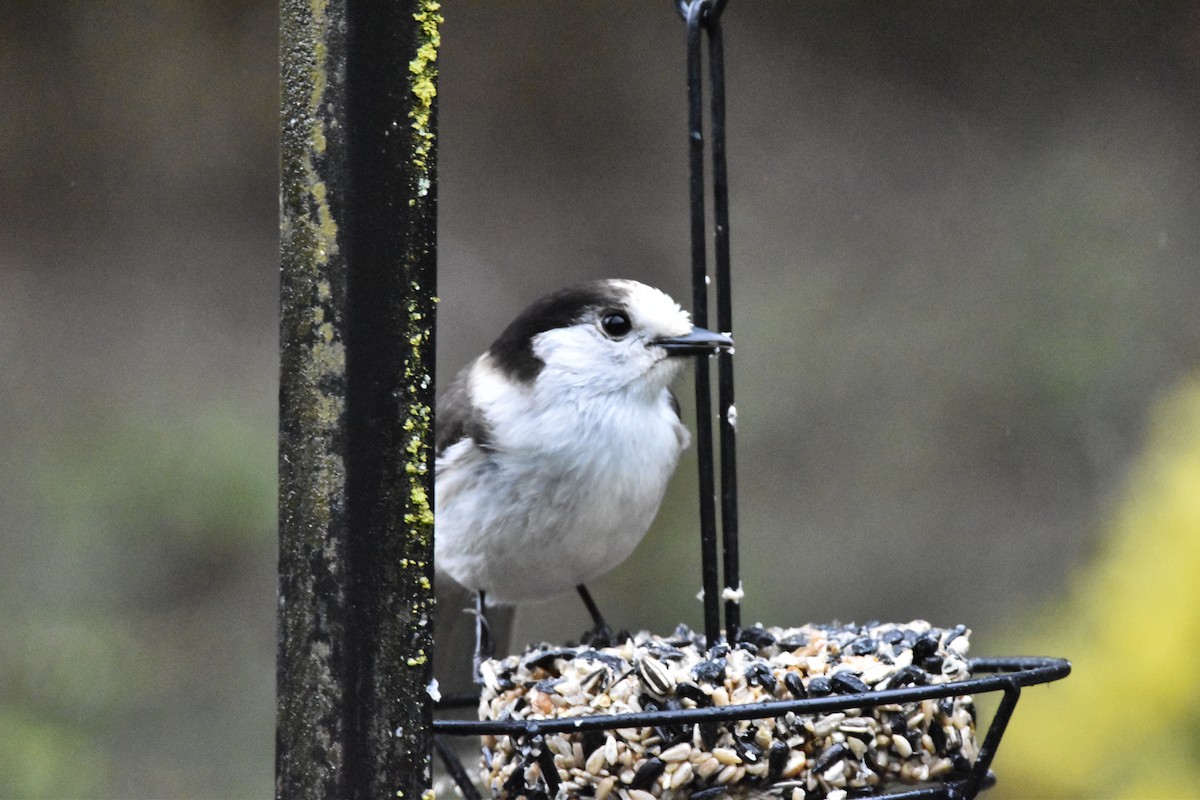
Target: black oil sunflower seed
point(862, 646)
point(909, 675)
point(759, 673)
point(828, 758)
point(777, 759)
point(648, 773)
point(793, 642)
point(924, 647)
point(690, 691)
point(756, 636)
point(711, 671)
point(847, 683)
point(547, 658)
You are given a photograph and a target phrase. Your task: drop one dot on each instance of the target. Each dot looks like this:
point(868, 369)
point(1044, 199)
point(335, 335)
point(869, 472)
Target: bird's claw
point(600, 636)
point(485, 646)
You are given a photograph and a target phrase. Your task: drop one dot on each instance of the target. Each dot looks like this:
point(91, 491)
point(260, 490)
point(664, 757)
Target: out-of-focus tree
point(1125, 723)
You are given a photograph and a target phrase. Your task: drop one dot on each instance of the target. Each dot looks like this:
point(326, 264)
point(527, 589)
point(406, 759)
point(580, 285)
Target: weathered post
point(357, 287)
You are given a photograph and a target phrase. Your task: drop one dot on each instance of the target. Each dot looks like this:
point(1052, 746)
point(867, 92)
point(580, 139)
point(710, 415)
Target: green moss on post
point(357, 288)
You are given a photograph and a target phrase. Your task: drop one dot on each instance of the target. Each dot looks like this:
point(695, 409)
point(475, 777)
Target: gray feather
point(458, 418)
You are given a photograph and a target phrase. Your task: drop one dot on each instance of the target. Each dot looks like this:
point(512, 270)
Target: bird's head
point(604, 335)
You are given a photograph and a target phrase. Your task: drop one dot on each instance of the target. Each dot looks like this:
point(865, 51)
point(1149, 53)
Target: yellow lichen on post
point(423, 69)
point(418, 425)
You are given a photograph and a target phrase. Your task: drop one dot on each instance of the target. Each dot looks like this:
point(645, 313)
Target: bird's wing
point(681, 430)
point(673, 401)
point(454, 625)
point(458, 418)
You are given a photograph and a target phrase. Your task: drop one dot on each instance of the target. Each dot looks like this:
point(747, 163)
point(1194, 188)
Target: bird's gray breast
point(563, 494)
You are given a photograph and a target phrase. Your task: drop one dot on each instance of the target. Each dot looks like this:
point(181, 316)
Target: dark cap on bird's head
point(610, 310)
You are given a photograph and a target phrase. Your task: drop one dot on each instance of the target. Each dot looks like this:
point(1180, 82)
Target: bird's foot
point(600, 636)
point(485, 646)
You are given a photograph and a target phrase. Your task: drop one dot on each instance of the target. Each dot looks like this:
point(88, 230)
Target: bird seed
point(821, 756)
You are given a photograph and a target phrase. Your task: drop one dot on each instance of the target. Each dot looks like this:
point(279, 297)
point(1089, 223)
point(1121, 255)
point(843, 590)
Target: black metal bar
point(1028, 670)
point(1016, 672)
point(953, 790)
point(987, 750)
point(358, 281)
point(592, 609)
point(704, 439)
point(727, 411)
point(455, 769)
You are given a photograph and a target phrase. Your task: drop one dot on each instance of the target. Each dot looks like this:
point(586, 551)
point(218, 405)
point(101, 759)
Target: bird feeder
point(802, 712)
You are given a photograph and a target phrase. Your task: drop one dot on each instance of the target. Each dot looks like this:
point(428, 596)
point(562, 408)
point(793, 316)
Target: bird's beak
point(699, 342)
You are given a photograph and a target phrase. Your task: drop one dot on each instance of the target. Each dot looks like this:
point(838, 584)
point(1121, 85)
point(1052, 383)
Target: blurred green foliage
point(40, 758)
point(1126, 723)
point(143, 622)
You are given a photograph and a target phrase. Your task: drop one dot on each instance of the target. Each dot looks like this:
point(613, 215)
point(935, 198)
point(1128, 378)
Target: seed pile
point(797, 757)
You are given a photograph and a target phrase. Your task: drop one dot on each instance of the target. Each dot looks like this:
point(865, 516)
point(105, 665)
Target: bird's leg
point(600, 635)
point(484, 646)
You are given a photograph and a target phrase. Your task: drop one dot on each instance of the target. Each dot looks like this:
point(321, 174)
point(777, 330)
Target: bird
point(554, 447)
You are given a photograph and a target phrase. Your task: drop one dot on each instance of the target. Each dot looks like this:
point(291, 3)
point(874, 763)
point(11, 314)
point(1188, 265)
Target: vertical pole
point(357, 290)
point(725, 401)
point(710, 579)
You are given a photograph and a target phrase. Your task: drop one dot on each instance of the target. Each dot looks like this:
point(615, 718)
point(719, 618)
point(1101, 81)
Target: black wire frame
point(704, 16)
point(1007, 675)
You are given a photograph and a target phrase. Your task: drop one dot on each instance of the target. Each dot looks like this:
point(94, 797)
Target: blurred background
point(965, 250)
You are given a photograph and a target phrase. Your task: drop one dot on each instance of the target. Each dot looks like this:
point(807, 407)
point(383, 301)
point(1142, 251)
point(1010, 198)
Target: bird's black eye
point(616, 324)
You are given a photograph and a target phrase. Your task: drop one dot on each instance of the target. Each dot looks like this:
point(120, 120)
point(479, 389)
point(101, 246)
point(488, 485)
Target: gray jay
point(554, 447)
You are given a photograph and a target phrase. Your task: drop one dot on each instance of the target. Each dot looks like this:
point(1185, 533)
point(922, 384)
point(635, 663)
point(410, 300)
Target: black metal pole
point(727, 411)
point(357, 289)
point(704, 439)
